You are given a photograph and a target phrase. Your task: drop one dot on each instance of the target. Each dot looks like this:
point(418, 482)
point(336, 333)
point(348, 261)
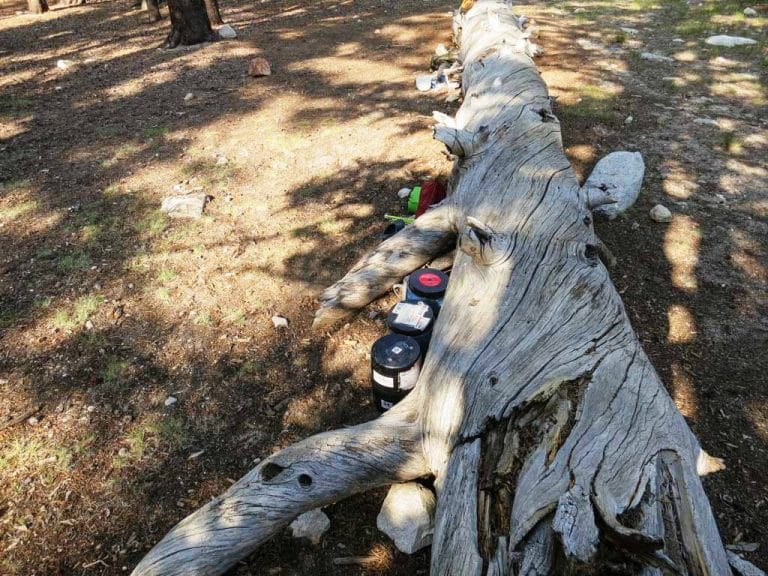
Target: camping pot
point(427, 285)
point(414, 319)
point(395, 367)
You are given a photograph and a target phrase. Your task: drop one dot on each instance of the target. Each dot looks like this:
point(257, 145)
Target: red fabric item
point(432, 192)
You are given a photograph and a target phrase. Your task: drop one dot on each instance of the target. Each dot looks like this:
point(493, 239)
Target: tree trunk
point(189, 23)
point(152, 8)
point(553, 443)
point(37, 6)
point(212, 7)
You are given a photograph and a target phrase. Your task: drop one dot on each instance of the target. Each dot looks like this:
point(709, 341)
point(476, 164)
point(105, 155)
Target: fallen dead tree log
point(554, 446)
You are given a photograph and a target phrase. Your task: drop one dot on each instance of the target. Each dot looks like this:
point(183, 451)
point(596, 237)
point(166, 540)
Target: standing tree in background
point(189, 23)
point(37, 6)
point(152, 8)
point(212, 7)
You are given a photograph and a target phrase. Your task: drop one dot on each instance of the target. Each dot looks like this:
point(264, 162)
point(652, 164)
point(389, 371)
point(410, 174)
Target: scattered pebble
point(227, 32)
point(628, 120)
point(630, 31)
point(729, 41)
point(720, 199)
point(64, 64)
point(185, 206)
point(279, 321)
point(171, 400)
point(33, 421)
point(311, 525)
point(653, 57)
point(403, 192)
point(259, 67)
point(189, 96)
point(441, 50)
point(88, 325)
point(750, 12)
point(660, 213)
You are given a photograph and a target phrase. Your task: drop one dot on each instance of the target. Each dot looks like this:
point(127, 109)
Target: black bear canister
point(427, 285)
point(395, 367)
point(414, 319)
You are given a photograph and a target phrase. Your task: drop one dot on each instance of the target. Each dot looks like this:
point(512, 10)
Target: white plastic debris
point(403, 192)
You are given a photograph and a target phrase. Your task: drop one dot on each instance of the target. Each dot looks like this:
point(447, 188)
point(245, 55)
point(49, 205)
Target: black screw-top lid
point(411, 318)
point(428, 282)
point(395, 352)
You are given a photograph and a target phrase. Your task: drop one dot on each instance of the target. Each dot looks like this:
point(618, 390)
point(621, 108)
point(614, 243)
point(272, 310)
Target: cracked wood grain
point(553, 442)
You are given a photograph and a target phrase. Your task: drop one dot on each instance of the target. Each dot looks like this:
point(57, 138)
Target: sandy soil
point(108, 309)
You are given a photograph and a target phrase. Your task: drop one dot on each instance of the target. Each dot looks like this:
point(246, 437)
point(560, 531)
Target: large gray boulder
point(618, 176)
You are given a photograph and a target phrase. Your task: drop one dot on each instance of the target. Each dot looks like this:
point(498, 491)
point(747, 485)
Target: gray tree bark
point(554, 445)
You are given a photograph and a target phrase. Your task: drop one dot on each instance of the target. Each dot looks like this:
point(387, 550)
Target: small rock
point(33, 421)
point(720, 199)
point(222, 161)
point(185, 206)
point(653, 57)
point(630, 31)
point(227, 32)
point(88, 325)
point(407, 516)
point(279, 321)
point(189, 96)
point(705, 121)
point(311, 525)
point(259, 67)
point(750, 12)
point(403, 192)
point(620, 176)
point(373, 314)
point(441, 50)
point(635, 225)
point(628, 120)
point(424, 83)
point(729, 41)
point(122, 452)
point(661, 214)
point(678, 40)
point(64, 64)
point(170, 401)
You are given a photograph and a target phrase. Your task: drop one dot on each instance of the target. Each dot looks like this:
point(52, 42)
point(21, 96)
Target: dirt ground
point(109, 310)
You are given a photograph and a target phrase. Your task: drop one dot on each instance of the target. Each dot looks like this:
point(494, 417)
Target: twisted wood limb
point(315, 472)
point(429, 236)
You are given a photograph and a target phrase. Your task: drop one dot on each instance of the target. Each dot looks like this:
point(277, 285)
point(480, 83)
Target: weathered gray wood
point(554, 445)
point(312, 473)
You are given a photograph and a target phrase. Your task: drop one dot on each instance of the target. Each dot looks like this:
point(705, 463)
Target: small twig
point(92, 564)
point(21, 418)
point(355, 561)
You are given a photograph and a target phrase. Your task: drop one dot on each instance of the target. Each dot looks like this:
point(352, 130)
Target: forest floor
point(109, 310)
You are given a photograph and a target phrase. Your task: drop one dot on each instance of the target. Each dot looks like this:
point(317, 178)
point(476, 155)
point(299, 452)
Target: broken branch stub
point(554, 446)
